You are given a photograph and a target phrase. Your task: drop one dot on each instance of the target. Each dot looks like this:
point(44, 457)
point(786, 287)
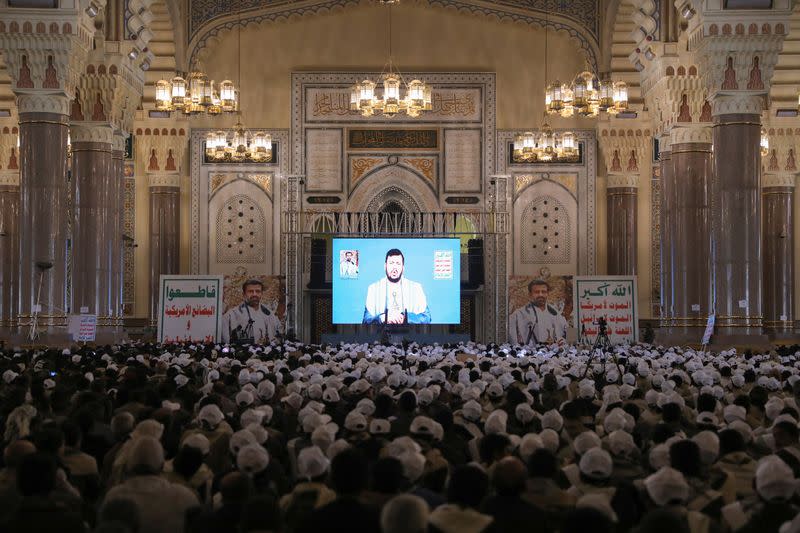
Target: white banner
point(83, 328)
point(611, 298)
point(190, 308)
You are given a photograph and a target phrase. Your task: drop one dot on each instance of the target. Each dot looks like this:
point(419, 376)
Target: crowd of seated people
point(204, 438)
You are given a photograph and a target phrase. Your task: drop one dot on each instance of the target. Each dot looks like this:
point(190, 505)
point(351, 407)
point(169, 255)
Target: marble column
point(164, 232)
point(667, 206)
point(44, 127)
point(778, 204)
point(691, 229)
point(93, 213)
point(9, 248)
point(621, 194)
point(117, 198)
point(736, 212)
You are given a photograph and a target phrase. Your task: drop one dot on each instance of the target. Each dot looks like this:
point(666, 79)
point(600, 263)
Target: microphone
point(44, 264)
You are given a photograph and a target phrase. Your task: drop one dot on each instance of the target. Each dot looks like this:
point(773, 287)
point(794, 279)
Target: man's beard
point(393, 280)
point(253, 302)
point(540, 302)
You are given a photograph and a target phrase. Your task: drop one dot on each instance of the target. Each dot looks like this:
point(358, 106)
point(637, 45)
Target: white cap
point(596, 463)
point(380, 426)
point(312, 463)
point(472, 410)
point(708, 442)
point(266, 389)
point(198, 441)
point(252, 459)
point(585, 442)
point(496, 422)
point(244, 398)
point(666, 486)
point(240, 439)
point(774, 479)
point(336, 448)
point(621, 442)
point(355, 421)
point(552, 419)
point(550, 439)
point(734, 412)
point(524, 413)
point(529, 444)
point(413, 465)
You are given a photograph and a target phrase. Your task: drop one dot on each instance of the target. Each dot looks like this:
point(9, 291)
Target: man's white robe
point(265, 324)
point(531, 324)
point(348, 269)
point(404, 296)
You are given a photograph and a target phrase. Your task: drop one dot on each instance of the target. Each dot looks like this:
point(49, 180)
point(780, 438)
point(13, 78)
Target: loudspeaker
point(475, 262)
point(318, 250)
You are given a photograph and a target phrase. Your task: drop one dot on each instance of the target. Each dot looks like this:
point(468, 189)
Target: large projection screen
point(396, 281)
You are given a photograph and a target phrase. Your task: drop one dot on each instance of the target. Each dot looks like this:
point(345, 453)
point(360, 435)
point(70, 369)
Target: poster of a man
point(348, 264)
point(538, 321)
point(395, 299)
point(250, 322)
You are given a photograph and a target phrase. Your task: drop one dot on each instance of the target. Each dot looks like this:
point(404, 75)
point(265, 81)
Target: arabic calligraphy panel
point(332, 104)
point(324, 160)
point(405, 139)
point(462, 160)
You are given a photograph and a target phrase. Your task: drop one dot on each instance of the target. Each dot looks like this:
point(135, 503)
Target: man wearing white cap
point(312, 468)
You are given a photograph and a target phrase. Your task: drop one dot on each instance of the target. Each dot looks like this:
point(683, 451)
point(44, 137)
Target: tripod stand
point(602, 343)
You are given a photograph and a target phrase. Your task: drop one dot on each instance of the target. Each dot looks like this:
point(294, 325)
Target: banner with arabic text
point(612, 298)
point(190, 308)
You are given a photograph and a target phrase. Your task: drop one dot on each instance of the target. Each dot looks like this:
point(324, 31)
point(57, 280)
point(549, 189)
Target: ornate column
point(778, 248)
point(165, 192)
point(92, 234)
point(736, 63)
point(9, 228)
point(44, 65)
point(667, 242)
point(9, 244)
point(163, 153)
point(106, 99)
point(691, 228)
point(622, 151)
point(622, 194)
point(117, 244)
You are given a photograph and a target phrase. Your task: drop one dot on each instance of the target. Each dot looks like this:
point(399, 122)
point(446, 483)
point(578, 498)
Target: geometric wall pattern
point(241, 227)
point(546, 233)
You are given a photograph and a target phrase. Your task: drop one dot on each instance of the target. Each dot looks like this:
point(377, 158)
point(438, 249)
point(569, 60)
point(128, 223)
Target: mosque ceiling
point(579, 18)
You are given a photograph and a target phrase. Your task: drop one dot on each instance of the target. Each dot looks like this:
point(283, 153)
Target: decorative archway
point(380, 188)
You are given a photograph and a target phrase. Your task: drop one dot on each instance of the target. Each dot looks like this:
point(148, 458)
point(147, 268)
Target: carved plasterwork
point(9, 178)
point(91, 132)
point(697, 133)
point(585, 176)
point(204, 177)
point(164, 180)
point(49, 61)
point(624, 149)
point(784, 144)
point(43, 103)
point(569, 181)
point(745, 103)
point(359, 166)
point(622, 180)
point(779, 180)
point(426, 166)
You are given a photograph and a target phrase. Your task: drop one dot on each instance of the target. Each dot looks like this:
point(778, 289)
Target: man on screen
point(395, 299)
point(348, 268)
point(538, 322)
point(250, 322)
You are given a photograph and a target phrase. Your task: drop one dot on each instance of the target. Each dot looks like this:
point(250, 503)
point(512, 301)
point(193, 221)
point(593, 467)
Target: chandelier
point(586, 96)
point(239, 146)
point(396, 96)
point(197, 95)
point(545, 145)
